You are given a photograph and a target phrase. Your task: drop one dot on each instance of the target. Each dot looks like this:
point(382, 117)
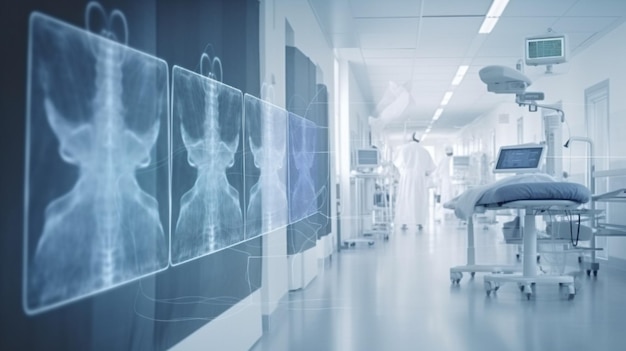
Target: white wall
point(600, 61)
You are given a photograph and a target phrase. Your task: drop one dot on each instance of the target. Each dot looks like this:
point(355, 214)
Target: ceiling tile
point(583, 24)
point(387, 8)
point(388, 53)
point(538, 8)
point(456, 7)
point(591, 8)
point(383, 40)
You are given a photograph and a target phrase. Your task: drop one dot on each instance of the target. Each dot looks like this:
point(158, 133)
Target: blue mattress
point(534, 191)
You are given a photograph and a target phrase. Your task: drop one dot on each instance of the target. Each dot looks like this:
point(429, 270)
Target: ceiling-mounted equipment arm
point(528, 99)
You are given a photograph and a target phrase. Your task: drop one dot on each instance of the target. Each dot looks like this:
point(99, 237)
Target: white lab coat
point(444, 186)
point(414, 163)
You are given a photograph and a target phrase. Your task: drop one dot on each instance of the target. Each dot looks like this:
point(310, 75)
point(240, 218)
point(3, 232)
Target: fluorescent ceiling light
point(437, 114)
point(446, 98)
point(494, 13)
point(460, 73)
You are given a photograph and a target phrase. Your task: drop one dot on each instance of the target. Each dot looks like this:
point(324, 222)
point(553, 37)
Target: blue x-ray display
point(97, 141)
point(207, 211)
point(302, 193)
point(266, 134)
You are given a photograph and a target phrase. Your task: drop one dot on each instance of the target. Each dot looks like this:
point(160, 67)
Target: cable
point(571, 230)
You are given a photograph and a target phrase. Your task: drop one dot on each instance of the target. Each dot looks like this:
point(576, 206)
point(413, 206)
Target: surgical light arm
point(506, 80)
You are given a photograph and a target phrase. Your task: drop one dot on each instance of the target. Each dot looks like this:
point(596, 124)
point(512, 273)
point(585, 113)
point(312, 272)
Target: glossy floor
point(397, 295)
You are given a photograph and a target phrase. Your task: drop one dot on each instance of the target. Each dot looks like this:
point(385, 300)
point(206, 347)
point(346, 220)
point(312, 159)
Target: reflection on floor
point(397, 295)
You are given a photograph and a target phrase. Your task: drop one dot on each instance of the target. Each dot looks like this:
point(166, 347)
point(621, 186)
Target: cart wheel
point(588, 272)
point(538, 259)
point(580, 259)
point(528, 295)
point(370, 243)
point(352, 244)
point(517, 256)
point(570, 296)
point(496, 288)
point(472, 274)
point(595, 273)
point(522, 288)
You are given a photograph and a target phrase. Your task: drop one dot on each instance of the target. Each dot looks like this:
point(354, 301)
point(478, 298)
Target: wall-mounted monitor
point(545, 50)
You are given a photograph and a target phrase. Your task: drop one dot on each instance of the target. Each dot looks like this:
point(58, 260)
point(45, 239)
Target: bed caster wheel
point(570, 296)
point(528, 296)
point(595, 273)
point(522, 288)
point(580, 259)
point(517, 256)
point(538, 259)
point(489, 287)
point(370, 243)
point(496, 288)
point(588, 272)
point(472, 274)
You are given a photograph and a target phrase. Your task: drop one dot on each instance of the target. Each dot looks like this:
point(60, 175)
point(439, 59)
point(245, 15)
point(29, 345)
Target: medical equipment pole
point(530, 244)
point(471, 251)
point(591, 169)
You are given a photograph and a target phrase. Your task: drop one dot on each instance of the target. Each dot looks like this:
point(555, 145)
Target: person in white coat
point(415, 164)
point(442, 175)
point(444, 185)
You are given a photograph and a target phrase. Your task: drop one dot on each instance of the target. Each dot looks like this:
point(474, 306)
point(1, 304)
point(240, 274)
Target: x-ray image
point(207, 118)
point(266, 133)
point(302, 142)
point(96, 139)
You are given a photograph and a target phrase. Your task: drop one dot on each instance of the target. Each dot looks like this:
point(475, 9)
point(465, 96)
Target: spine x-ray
point(207, 118)
point(302, 191)
point(266, 133)
point(97, 142)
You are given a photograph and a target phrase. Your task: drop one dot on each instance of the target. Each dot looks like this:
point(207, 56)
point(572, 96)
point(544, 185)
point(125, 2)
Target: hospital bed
point(532, 193)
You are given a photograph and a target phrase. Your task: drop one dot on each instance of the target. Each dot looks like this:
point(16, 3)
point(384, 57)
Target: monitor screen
point(546, 50)
point(460, 161)
point(518, 159)
point(367, 158)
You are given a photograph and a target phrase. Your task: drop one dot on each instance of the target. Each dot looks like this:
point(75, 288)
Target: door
point(597, 121)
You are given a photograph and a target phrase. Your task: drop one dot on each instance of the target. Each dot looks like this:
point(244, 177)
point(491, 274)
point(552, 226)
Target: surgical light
point(494, 13)
point(460, 73)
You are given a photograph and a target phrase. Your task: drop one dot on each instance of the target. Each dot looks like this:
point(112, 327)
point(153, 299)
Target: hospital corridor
point(341, 175)
point(398, 297)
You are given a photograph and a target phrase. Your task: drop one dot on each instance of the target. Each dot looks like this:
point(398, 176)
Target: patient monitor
point(366, 159)
point(524, 158)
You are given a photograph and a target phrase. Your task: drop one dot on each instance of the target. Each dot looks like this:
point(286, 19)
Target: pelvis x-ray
point(207, 118)
point(266, 133)
point(302, 153)
point(97, 156)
